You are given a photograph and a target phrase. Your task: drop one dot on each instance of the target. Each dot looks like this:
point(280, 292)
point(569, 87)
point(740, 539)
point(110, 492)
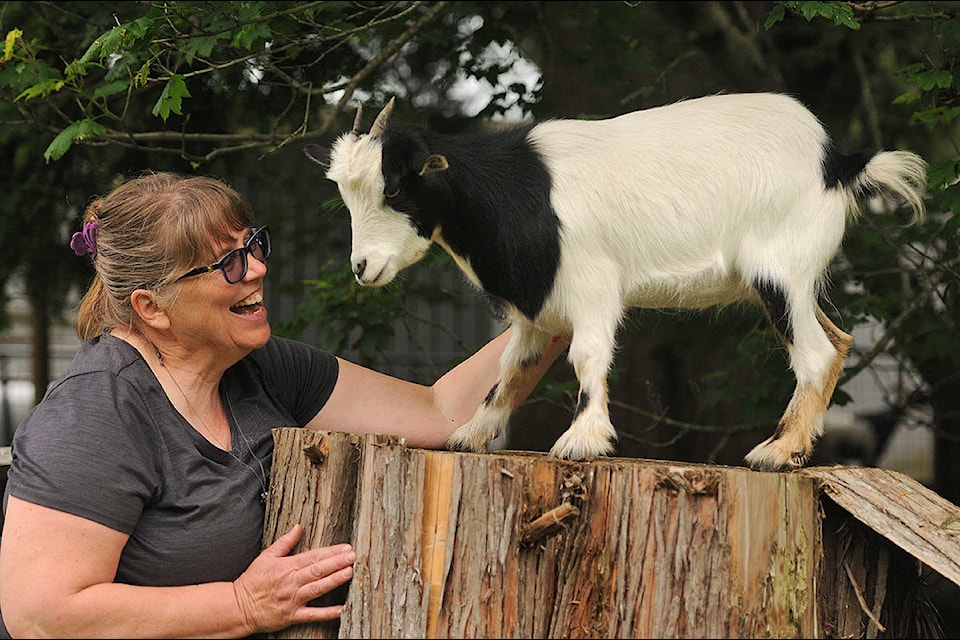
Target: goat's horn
point(380, 124)
point(357, 120)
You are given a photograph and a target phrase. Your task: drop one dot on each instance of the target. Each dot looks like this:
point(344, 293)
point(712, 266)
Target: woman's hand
point(274, 592)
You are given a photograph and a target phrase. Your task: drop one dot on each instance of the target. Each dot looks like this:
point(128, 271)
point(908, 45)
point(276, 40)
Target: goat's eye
point(394, 194)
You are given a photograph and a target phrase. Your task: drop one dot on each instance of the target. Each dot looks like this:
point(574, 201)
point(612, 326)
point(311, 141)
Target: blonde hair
point(152, 229)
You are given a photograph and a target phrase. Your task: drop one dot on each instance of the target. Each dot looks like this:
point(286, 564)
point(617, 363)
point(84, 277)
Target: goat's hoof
point(572, 446)
point(464, 448)
point(469, 440)
point(770, 455)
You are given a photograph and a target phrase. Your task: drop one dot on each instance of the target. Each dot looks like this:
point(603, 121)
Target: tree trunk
point(521, 545)
point(40, 338)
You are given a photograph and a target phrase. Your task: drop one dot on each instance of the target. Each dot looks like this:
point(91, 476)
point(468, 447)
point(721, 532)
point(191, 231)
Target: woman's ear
point(151, 313)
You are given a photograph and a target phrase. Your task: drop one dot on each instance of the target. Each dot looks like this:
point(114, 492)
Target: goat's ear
point(434, 163)
point(320, 155)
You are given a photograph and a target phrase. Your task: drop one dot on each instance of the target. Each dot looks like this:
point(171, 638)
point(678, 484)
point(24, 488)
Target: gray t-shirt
point(106, 444)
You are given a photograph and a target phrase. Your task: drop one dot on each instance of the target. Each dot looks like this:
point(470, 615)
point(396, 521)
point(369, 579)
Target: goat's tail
point(893, 173)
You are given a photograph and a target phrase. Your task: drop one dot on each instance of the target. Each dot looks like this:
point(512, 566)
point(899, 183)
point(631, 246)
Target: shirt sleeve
point(85, 450)
point(298, 376)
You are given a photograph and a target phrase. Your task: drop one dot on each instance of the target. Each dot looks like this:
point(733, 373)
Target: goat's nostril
point(359, 266)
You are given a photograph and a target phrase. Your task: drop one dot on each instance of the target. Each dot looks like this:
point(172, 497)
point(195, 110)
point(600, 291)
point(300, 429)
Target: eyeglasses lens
point(235, 265)
point(235, 262)
point(260, 244)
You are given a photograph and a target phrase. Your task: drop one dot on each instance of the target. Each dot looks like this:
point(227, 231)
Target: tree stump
point(521, 545)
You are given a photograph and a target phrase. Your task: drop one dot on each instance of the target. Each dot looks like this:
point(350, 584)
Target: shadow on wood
point(521, 545)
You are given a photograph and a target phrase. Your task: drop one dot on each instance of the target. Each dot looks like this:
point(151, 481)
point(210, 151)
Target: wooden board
point(919, 521)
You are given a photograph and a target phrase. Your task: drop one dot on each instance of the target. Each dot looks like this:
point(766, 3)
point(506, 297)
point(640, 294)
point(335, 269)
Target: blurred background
point(93, 92)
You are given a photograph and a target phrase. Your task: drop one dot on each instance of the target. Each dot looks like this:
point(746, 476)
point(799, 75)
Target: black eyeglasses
point(234, 264)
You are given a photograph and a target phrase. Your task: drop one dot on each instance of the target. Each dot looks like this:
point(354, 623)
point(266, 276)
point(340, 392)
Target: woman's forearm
point(365, 401)
point(461, 391)
point(126, 611)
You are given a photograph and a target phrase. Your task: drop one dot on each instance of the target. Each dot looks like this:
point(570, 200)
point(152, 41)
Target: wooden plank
point(916, 519)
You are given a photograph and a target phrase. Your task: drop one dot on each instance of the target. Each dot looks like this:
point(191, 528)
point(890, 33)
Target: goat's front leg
point(523, 351)
point(591, 352)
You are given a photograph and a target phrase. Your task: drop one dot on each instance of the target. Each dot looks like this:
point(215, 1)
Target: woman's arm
point(69, 564)
point(365, 401)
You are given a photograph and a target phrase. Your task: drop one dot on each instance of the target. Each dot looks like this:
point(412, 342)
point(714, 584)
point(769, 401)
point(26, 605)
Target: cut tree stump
point(522, 545)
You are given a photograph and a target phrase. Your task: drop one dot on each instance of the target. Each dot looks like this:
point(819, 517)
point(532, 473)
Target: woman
point(134, 502)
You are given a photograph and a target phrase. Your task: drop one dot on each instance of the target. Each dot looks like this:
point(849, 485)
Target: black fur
point(491, 206)
point(582, 401)
point(842, 169)
point(775, 303)
point(489, 397)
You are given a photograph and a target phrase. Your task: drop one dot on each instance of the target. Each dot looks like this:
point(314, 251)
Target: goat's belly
point(696, 293)
point(698, 289)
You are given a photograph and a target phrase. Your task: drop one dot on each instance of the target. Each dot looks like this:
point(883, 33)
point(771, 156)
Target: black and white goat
point(704, 202)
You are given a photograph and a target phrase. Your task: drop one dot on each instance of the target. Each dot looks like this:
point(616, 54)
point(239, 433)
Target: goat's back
point(684, 204)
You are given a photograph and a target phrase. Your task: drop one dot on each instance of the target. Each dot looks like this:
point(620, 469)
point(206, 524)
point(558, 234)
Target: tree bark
point(521, 545)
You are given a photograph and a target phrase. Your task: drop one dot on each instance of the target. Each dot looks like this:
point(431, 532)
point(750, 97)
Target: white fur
point(382, 240)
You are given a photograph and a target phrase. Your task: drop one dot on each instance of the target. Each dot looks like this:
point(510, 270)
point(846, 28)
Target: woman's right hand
point(275, 591)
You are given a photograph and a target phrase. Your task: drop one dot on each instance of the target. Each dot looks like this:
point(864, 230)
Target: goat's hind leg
point(842, 342)
point(523, 351)
point(817, 349)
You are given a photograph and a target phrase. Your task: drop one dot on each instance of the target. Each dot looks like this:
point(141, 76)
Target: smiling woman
point(174, 394)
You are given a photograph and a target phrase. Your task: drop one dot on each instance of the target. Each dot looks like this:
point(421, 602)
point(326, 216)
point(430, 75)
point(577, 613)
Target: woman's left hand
point(275, 591)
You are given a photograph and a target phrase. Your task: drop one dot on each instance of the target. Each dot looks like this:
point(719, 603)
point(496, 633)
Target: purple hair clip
point(85, 241)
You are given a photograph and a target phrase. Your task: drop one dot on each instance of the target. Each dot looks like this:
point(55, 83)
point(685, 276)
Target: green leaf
point(107, 44)
point(140, 77)
point(200, 47)
point(934, 78)
point(76, 131)
point(12, 36)
point(841, 13)
point(136, 30)
point(42, 89)
point(948, 28)
point(938, 116)
point(950, 199)
point(247, 36)
point(943, 172)
point(776, 15)
point(172, 98)
point(908, 97)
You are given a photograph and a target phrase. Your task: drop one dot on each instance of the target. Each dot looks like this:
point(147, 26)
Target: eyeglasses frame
point(247, 248)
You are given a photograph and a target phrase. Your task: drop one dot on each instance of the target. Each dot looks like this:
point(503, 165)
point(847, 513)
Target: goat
point(569, 223)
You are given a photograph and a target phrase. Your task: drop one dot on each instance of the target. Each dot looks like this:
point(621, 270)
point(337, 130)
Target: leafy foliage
point(285, 54)
point(841, 13)
point(350, 317)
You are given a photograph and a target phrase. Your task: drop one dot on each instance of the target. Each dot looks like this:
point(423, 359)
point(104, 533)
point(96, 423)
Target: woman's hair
point(150, 231)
